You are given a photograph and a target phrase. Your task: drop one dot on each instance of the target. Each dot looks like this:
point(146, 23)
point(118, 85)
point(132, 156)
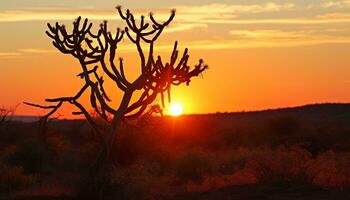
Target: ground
point(292, 153)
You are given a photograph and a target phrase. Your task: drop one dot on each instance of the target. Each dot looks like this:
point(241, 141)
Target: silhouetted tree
point(96, 53)
point(3, 115)
point(6, 113)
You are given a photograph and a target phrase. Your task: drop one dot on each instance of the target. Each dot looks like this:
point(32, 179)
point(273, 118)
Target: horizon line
point(213, 113)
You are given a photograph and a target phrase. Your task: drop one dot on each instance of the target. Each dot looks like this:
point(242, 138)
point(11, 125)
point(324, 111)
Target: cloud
point(334, 16)
point(261, 38)
point(275, 28)
point(240, 39)
point(243, 44)
point(208, 11)
point(217, 11)
point(284, 38)
point(234, 9)
point(24, 52)
point(180, 27)
point(286, 21)
point(194, 19)
point(9, 54)
point(36, 51)
point(336, 4)
point(188, 16)
point(268, 34)
point(53, 14)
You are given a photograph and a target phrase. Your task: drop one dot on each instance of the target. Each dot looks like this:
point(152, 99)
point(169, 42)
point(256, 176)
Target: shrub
point(193, 166)
point(12, 178)
point(29, 156)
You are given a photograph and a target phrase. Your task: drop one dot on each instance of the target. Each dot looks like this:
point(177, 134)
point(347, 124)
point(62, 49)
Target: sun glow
point(175, 109)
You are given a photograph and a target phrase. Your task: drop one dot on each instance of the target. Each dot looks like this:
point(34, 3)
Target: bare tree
point(96, 53)
point(3, 114)
point(6, 113)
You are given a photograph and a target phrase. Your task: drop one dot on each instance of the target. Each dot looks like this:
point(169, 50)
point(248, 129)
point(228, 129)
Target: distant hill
point(316, 111)
point(25, 118)
point(321, 107)
point(336, 111)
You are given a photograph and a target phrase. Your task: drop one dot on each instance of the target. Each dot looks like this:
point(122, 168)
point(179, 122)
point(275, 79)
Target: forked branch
point(97, 53)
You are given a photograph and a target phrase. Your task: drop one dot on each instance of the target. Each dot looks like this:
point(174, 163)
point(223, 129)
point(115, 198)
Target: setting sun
point(175, 109)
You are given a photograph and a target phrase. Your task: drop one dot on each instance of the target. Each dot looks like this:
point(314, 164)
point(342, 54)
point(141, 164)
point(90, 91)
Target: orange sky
point(261, 54)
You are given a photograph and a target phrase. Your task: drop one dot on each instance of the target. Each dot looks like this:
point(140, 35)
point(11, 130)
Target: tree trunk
point(97, 170)
point(96, 188)
point(109, 139)
point(105, 151)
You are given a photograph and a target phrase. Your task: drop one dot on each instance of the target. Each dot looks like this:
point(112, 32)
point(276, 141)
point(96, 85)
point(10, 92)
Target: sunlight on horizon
point(175, 109)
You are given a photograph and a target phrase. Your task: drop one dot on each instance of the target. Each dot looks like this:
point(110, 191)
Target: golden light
point(175, 109)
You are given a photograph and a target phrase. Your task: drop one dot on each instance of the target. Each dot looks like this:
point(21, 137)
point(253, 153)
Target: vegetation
point(296, 153)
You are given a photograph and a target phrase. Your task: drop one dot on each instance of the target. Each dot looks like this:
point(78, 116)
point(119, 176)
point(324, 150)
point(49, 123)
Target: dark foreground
point(247, 192)
point(296, 153)
point(270, 192)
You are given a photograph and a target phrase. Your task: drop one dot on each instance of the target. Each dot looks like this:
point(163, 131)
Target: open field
point(294, 153)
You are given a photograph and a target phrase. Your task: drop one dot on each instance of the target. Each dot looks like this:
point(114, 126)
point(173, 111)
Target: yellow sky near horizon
point(261, 54)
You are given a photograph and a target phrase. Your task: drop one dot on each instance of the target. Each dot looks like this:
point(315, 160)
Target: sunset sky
point(261, 54)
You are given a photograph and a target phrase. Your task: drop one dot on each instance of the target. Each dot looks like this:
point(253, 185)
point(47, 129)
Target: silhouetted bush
point(29, 156)
point(12, 178)
point(193, 166)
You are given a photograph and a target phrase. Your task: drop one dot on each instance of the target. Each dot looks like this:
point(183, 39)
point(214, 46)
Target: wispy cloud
point(9, 54)
point(337, 15)
point(268, 34)
point(336, 4)
point(53, 14)
point(185, 27)
point(25, 52)
point(281, 38)
point(240, 39)
point(208, 11)
point(225, 12)
point(242, 44)
point(295, 21)
point(15, 16)
point(265, 38)
point(234, 8)
point(275, 28)
point(195, 16)
point(36, 51)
